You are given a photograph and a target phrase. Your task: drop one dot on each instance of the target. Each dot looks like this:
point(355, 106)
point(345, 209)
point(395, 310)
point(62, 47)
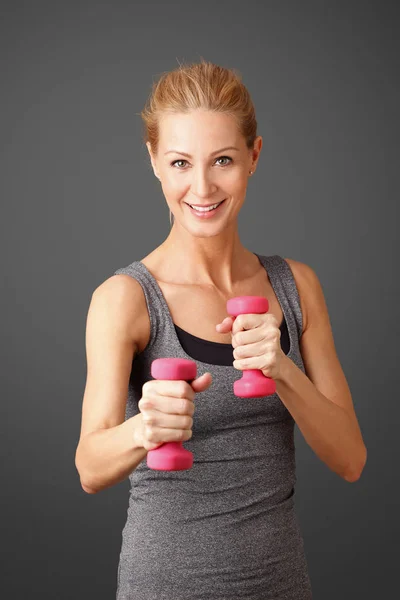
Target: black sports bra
point(217, 353)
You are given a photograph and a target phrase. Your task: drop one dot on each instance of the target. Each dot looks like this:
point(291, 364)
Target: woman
point(227, 527)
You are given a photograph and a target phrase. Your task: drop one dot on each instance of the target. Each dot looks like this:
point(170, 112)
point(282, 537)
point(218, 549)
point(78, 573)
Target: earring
point(250, 172)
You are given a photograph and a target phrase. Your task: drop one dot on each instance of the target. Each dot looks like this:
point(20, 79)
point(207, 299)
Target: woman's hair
point(199, 86)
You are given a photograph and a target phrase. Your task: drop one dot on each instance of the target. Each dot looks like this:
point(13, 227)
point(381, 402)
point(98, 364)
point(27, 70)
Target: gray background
point(79, 200)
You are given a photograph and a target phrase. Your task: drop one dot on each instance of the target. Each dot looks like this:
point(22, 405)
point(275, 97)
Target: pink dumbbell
point(172, 456)
point(252, 384)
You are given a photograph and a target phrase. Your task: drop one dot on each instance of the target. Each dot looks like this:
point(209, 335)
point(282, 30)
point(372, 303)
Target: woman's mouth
point(206, 213)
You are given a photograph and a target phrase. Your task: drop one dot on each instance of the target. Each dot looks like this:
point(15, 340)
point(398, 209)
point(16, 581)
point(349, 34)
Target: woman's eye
point(220, 158)
point(177, 161)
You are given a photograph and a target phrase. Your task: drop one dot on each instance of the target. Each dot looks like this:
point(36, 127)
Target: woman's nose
point(203, 184)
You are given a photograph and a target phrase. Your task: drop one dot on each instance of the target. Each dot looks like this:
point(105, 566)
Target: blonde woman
point(226, 528)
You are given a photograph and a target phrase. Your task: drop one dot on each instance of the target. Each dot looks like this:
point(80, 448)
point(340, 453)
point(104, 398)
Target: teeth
point(198, 208)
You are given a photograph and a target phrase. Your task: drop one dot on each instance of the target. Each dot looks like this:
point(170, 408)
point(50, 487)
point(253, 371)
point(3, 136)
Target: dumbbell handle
point(253, 383)
point(172, 456)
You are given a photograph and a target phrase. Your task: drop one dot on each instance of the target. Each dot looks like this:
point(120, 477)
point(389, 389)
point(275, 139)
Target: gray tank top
point(227, 528)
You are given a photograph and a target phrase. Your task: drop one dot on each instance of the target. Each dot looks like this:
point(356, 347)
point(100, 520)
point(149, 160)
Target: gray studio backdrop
point(79, 200)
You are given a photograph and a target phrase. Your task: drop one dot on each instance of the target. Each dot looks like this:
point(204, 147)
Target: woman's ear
point(152, 160)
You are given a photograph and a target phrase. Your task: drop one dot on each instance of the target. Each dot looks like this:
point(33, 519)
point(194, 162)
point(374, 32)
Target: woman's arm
point(106, 457)
point(320, 401)
point(109, 449)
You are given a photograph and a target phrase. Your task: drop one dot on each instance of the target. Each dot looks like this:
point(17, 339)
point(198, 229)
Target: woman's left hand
point(256, 342)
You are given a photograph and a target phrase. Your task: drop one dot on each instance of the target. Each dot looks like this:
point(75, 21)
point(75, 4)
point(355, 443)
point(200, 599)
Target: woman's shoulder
point(306, 279)
point(120, 287)
point(123, 296)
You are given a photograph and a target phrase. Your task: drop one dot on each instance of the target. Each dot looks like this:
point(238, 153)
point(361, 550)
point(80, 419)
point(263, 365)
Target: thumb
point(225, 325)
point(202, 383)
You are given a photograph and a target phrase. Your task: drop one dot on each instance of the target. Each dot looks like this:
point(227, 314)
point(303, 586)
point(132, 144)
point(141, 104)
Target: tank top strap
point(284, 285)
point(156, 304)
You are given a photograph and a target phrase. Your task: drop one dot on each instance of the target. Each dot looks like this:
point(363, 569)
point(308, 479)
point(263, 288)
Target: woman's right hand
point(167, 408)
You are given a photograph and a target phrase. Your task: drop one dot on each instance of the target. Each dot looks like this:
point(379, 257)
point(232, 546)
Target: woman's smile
point(206, 213)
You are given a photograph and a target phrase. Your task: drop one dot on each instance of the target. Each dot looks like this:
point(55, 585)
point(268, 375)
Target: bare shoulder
point(306, 282)
point(122, 297)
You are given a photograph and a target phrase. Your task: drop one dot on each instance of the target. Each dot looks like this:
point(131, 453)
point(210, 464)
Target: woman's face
point(202, 160)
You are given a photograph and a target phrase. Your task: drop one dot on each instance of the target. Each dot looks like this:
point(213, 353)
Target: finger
point(225, 325)
point(202, 383)
point(246, 321)
point(247, 336)
point(166, 404)
point(249, 350)
point(167, 387)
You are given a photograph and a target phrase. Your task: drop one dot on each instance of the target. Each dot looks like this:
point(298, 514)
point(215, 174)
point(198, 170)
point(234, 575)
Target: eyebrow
point(212, 153)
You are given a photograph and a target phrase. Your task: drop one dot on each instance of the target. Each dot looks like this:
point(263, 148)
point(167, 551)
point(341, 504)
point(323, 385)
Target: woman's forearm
point(107, 456)
point(328, 429)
